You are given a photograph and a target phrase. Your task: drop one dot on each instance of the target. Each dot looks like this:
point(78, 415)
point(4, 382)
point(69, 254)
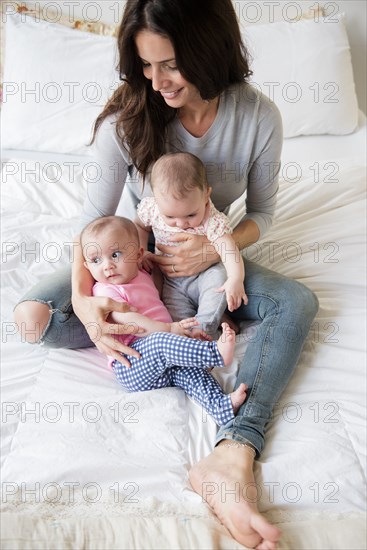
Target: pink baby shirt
point(141, 293)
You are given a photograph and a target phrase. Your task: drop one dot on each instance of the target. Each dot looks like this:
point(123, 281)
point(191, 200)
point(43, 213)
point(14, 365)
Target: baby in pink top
point(137, 291)
point(169, 355)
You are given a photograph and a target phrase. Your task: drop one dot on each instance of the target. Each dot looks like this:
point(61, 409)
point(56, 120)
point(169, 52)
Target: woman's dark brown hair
point(209, 54)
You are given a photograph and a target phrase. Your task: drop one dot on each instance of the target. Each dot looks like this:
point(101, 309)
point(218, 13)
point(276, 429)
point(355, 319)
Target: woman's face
point(159, 66)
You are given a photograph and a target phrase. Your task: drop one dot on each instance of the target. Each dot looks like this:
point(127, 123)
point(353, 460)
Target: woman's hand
point(194, 254)
point(93, 311)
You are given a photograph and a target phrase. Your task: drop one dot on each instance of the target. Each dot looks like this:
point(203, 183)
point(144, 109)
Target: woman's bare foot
point(226, 482)
point(238, 397)
point(226, 343)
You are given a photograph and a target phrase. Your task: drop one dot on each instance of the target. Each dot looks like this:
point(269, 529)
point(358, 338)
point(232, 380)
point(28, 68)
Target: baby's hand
point(200, 334)
point(147, 261)
point(183, 328)
point(235, 293)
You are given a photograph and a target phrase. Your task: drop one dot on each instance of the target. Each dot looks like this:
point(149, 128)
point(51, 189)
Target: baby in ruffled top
point(181, 204)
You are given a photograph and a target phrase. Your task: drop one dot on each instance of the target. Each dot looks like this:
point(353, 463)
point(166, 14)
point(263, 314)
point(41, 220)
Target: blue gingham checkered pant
point(171, 360)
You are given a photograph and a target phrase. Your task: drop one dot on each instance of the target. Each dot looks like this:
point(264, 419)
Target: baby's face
point(112, 257)
point(189, 211)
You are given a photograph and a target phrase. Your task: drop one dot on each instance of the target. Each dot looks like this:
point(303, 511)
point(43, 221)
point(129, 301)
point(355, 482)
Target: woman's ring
point(173, 269)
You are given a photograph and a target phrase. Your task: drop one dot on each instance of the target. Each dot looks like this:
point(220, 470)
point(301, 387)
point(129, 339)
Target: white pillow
point(305, 67)
point(56, 82)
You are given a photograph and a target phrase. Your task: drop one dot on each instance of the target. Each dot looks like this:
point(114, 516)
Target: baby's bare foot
point(226, 343)
point(238, 397)
point(231, 322)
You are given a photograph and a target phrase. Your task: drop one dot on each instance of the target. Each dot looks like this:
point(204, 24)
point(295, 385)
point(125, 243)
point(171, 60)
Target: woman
point(184, 71)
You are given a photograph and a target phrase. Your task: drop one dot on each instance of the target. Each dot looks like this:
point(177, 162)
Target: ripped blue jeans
point(283, 309)
point(64, 330)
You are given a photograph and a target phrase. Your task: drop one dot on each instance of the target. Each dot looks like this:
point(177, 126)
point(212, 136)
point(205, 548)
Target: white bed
point(87, 466)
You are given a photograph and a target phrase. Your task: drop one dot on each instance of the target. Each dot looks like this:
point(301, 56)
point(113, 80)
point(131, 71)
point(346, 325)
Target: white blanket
point(85, 465)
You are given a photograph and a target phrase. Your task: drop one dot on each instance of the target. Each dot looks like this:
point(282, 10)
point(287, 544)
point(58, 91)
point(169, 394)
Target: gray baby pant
point(196, 296)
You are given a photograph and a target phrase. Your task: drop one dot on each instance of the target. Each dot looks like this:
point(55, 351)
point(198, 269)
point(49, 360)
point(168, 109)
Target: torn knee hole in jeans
point(53, 310)
point(50, 308)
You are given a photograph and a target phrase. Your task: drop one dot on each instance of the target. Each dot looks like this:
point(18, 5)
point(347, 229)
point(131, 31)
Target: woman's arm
point(182, 328)
point(137, 319)
point(106, 179)
point(246, 233)
point(102, 198)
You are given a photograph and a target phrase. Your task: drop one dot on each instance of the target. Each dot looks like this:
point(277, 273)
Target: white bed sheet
point(88, 441)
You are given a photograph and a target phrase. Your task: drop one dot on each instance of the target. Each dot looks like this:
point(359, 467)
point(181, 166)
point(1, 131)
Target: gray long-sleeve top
point(241, 152)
